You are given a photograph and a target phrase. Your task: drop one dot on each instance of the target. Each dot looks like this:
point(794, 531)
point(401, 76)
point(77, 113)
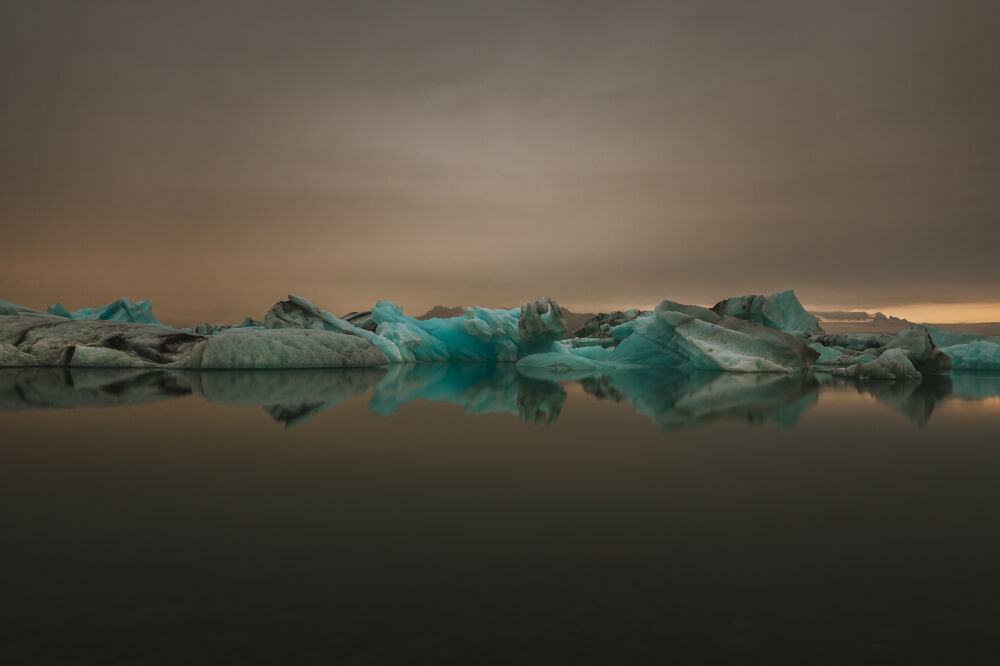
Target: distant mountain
point(853, 321)
point(858, 316)
point(841, 315)
point(574, 320)
point(880, 319)
point(441, 311)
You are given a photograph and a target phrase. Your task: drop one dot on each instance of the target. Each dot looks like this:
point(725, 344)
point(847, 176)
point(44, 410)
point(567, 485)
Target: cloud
point(489, 152)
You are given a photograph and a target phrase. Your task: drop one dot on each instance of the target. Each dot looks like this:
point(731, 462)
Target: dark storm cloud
point(213, 156)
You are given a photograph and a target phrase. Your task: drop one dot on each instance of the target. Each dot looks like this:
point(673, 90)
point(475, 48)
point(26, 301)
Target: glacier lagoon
point(458, 513)
point(681, 484)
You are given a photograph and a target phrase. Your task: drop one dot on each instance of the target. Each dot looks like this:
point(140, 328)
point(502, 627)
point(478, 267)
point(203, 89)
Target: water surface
point(471, 515)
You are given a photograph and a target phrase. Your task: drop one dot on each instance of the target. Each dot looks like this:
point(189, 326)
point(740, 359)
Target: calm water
point(468, 515)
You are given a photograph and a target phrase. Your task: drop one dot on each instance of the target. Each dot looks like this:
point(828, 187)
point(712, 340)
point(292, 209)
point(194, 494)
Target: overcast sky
point(214, 156)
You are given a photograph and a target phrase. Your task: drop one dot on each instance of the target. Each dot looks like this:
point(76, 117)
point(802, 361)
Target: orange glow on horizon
point(933, 313)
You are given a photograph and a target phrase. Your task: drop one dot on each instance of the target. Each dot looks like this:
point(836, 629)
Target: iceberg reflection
point(685, 400)
point(915, 400)
point(670, 399)
point(60, 388)
point(289, 396)
point(479, 388)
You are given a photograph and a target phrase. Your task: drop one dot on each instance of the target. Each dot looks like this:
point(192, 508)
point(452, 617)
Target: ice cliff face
point(746, 334)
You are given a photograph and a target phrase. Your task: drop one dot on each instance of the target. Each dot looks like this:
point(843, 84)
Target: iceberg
point(982, 354)
point(296, 333)
point(832, 357)
point(298, 312)
point(920, 349)
point(482, 334)
point(600, 325)
point(946, 338)
point(8, 309)
point(686, 338)
point(123, 310)
point(853, 341)
point(215, 329)
point(697, 341)
point(746, 334)
point(781, 311)
point(46, 340)
point(54, 341)
point(969, 351)
point(892, 364)
point(908, 355)
point(286, 348)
